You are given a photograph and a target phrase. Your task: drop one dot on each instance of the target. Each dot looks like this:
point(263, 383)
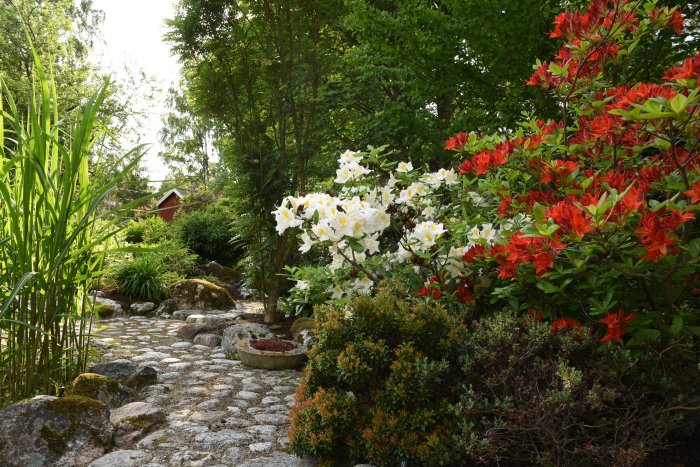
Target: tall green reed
point(53, 237)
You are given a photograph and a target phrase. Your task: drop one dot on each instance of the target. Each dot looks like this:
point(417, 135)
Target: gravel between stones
point(219, 412)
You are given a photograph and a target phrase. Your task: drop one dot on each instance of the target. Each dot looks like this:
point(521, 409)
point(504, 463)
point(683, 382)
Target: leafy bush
point(389, 382)
point(210, 234)
point(141, 278)
point(376, 387)
point(151, 230)
point(533, 396)
point(176, 259)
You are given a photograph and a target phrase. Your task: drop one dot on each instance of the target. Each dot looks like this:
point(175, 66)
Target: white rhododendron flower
point(363, 285)
point(404, 167)
point(285, 219)
point(302, 285)
point(349, 157)
point(425, 234)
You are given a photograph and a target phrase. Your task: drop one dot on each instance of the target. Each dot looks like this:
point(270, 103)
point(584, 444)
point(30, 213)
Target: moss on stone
point(72, 409)
point(303, 323)
point(103, 310)
point(93, 386)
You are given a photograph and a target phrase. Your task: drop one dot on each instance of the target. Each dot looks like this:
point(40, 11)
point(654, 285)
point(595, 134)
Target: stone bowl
point(270, 360)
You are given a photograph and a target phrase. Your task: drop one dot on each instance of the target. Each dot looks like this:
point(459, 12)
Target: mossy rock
point(101, 388)
point(104, 311)
point(47, 431)
point(199, 294)
point(303, 323)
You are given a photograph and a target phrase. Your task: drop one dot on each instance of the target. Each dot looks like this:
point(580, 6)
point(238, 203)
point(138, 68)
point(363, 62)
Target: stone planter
point(270, 360)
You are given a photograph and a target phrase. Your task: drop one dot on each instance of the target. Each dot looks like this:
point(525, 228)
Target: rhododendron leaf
point(643, 335)
point(678, 103)
point(547, 287)
point(694, 329)
point(316, 216)
point(676, 324)
point(355, 245)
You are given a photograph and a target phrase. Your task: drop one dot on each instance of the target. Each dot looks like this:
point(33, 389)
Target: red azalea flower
point(570, 219)
point(693, 193)
point(456, 141)
point(690, 69)
point(617, 325)
point(565, 323)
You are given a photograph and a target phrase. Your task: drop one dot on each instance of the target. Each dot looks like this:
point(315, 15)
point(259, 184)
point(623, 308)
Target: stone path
point(219, 411)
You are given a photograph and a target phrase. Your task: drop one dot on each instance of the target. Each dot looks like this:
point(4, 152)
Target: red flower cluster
point(617, 325)
point(570, 219)
point(539, 251)
point(693, 193)
point(674, 21)
point(564, 324)
point(656, 232)
point(457, 141)
point(487, 160)
point(689, 70)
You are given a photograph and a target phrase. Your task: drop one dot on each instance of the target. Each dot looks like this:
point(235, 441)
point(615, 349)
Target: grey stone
point(210, 340)
point(271, 419)
point(191, 458)
point(222, 438)
point(142, 308)
point(235, 333)
point(261, 447)
point(133, 421)
point(47, 431)
point(201, 294)
point(183, 314)
point(233, 455)
point(190, 330)
point(278, 459)
point(157, 439)
point(125, 458)
point(127, 373)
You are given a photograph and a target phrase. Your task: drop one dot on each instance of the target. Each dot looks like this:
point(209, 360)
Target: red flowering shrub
point(607, 196)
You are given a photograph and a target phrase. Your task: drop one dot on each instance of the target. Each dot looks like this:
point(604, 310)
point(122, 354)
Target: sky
point(132, 35)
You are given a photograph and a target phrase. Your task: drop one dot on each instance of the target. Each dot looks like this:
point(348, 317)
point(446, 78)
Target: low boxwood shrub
point(150, 230)
point(378, 384)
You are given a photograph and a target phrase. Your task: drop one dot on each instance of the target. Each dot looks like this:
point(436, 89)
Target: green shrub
point(150, 230)
point(531, 396)
point(141, 278)
point(388, 382)
point(378, 384)
point(176, 259)
point(210, 234)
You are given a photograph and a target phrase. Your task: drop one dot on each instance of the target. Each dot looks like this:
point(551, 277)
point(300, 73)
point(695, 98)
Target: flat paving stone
point(219, 412)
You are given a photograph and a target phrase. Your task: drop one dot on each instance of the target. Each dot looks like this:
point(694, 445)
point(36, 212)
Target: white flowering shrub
point(388, 220)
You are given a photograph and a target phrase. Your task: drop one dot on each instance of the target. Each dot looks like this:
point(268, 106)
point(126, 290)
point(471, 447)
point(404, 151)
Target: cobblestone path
point(219, 411)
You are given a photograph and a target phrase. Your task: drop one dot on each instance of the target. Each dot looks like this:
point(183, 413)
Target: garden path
point(219, 412)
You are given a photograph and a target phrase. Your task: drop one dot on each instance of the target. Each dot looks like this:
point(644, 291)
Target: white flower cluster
point(350, 224)
point(350, 168)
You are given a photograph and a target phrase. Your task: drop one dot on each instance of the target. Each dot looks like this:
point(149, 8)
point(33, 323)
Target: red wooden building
point(168, 205)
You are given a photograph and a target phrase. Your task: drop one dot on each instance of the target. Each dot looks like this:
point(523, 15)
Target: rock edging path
point(219, 412)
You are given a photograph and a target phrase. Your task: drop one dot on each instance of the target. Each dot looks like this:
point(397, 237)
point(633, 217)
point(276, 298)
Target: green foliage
point(141, 278)
point(53, 237)
point(150, 231)
point(311, 289)
point(211, 234)
point(376, 387)
point(536, 397)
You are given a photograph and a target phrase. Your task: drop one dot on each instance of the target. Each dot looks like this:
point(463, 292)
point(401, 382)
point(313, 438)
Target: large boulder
point(223, 273)
point(127, 373)
point(100, 387)
point(200, 294)
point(235, 333)
point(134, 421)
point(49, 431)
